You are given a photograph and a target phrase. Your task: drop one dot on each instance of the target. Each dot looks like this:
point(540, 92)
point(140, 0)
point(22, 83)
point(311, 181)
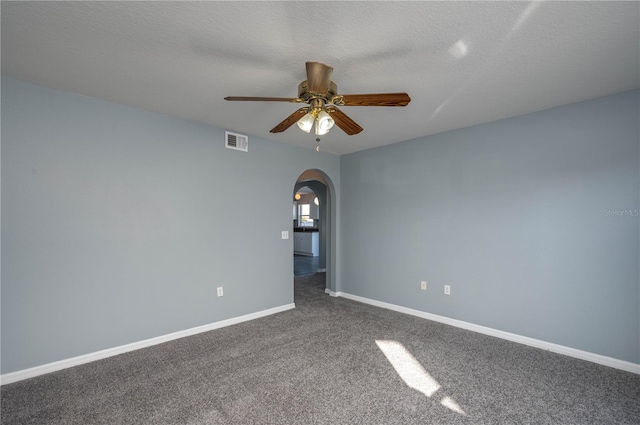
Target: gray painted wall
point(532, 220)
point(118, 224)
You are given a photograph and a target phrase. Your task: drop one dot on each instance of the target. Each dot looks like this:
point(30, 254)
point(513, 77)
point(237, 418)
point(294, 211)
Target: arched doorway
point(311, 185)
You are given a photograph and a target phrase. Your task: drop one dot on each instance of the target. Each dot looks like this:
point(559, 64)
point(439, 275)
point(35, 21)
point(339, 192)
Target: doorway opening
point(306, 232)
point(313, 226)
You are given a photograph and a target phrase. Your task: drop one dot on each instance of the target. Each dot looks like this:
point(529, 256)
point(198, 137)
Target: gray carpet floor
point(330, 361)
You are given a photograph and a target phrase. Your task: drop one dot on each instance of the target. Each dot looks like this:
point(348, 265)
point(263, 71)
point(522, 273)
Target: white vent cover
point(236, 141)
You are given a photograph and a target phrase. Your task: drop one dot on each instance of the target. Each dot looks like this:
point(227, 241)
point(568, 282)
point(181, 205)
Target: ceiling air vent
point(236, 141)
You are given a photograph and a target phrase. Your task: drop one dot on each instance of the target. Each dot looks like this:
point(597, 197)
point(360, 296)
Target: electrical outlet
point(285, 234)
point(423, 285)
point(220, 292)
point(447, 290)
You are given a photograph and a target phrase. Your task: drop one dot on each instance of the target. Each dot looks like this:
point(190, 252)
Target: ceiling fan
point(321, 94)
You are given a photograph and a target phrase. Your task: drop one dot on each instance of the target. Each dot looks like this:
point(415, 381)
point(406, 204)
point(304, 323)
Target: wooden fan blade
point(290, 120)
point(318, 77)
point(345, 123)
point(264, 99)
point(377, 99)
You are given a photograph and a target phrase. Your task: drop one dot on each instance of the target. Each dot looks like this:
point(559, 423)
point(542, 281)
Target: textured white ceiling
point(462, 63)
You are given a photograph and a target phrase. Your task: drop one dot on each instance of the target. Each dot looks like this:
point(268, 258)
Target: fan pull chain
point(317, 146)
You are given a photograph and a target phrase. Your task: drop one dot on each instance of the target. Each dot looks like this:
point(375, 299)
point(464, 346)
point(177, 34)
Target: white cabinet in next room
point(306, 243)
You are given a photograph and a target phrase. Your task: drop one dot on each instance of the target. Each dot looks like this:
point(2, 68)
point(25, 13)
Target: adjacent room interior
point(465, 238)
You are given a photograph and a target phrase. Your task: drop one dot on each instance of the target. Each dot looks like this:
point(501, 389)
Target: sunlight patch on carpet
point(413, 374)
point(451, 404)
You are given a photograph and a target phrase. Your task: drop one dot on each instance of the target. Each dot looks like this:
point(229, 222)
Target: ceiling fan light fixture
point(306, 122)
point(320, 132)
point(321, 94)
point(324, 123)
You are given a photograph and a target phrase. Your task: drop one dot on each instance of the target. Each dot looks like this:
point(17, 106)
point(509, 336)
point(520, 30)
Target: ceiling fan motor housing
point(308, 96)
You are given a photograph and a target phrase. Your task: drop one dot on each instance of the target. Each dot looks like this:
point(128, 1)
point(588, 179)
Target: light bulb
point(324, 123)
point(305, 123)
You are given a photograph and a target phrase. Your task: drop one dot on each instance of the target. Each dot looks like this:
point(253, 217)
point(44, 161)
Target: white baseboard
point(331, 293)
point(8, 378)
point(567, 351)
